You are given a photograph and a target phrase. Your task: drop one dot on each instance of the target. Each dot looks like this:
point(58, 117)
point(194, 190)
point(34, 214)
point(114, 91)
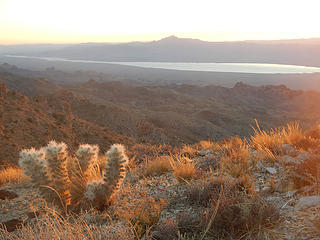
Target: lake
point(203, 67)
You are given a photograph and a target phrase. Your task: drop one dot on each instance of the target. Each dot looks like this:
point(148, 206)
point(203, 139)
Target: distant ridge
point(303, 52)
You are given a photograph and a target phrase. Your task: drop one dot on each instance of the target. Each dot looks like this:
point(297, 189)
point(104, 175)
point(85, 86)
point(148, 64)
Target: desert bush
point(159, 165)
point(74, 182)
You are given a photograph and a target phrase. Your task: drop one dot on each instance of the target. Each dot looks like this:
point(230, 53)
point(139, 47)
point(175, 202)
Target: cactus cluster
point(75, 182)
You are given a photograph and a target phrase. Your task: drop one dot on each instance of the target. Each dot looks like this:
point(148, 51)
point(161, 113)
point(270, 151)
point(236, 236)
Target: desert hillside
point(157, 162)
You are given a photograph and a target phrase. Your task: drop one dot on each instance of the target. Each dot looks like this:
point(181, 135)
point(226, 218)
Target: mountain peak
point(169, 39)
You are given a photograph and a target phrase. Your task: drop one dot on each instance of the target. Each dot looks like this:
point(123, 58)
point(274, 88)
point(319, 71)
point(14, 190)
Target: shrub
point(74, 182)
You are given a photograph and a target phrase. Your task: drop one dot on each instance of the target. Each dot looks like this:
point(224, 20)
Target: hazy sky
point(66, 21)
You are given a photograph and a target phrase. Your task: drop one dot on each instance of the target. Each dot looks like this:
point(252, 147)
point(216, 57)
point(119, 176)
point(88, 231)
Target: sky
point(75, 21)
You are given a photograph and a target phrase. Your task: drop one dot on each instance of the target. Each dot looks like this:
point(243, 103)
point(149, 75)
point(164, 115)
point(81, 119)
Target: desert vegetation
point(74, 181)
point(237, 188)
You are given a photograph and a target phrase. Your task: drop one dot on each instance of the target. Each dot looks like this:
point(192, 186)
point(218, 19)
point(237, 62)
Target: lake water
point(206, 67)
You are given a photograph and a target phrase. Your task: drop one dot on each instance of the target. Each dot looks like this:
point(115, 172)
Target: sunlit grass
point(11, 175)
point(271, 142)
point(53, 226)
point(236, 160)
point(159, 165)
point(183, 169)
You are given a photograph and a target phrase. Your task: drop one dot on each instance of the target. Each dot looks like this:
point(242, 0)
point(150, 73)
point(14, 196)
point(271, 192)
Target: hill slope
point(33, 121)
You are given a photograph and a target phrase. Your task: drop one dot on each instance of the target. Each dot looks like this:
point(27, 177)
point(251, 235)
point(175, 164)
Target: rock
point(277, 201)
point(288, 149)
point(260, 165)
point(290, 160)
point(271, 170)
point(306, 202)
point(4, 194)
point(208, 162)
point(291, 194)
point(204, 152)
point(303, 156)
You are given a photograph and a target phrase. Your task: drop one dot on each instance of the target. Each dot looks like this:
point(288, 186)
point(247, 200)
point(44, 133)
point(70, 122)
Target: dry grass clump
point(271, 142)
point(142, 213)
point(183, 169)
point(11, 175)
point(235, 215)
point(168, 229)
point(159, 165)
point(71, 227)
point(189, 151)
point(236, 160)
point(313, 132)
point(307, 174)
point(229, 212)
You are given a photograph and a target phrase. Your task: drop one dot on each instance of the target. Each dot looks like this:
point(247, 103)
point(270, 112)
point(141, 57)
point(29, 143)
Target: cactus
point(34, 165)
point(85, 161)
point(51, 171)
point(102, 193)
point(56, 158)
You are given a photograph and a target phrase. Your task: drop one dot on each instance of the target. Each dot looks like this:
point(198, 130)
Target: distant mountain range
point(304, 52)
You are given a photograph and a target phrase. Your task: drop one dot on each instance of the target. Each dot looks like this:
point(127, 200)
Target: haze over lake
point(204, 67)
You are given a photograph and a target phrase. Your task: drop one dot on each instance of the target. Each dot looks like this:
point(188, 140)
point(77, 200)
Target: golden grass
point(71, 227)
point(183, 169)
point(271, 142)
point(212, 146)
point(141, 213)
point(79, 179)
point(11, 175)
point(159, 165)
point(189, 151)
point(236, 160)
